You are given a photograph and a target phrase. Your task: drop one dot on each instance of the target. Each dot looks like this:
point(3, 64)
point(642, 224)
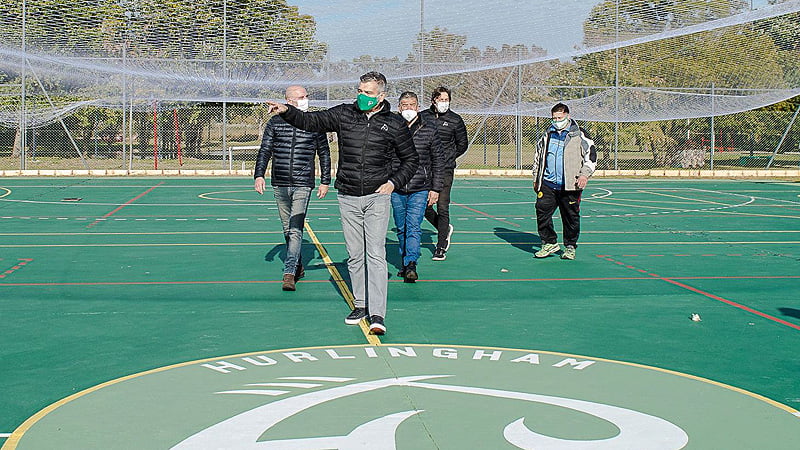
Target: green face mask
point(365, 102)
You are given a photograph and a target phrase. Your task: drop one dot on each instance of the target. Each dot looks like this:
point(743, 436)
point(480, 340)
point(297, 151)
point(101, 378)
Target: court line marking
point(745, 195)
point(758, 215)
point(706, 294)
point(486, 215)
point(341, 284)
point(504, 243)
point(692, 200)
point(444, 280)
point(114, 211)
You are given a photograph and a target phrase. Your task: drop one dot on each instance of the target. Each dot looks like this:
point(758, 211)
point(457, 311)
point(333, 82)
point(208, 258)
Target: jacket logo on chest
point(385, 127)
point(444, 124)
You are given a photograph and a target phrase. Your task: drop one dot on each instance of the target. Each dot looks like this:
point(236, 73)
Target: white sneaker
point(547, 250)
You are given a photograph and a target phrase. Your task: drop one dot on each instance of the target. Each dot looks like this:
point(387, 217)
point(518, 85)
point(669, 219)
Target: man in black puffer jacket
point(370, 135)
point(453, 134)
point(410, 200)
point(293, 152)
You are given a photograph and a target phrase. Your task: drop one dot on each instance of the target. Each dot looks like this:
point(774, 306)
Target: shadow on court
point(519, 239)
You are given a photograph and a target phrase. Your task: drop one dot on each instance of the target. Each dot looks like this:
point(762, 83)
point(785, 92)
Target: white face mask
point(442, 107)
point(561, 124)
point(302, 104)
point(408, 114)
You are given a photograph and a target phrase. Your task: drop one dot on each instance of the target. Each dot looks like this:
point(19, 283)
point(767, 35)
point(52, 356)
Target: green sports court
point(124, 300)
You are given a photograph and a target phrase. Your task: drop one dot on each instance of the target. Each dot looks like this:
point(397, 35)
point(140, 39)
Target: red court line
point(715, 297)
point(109, 214)
point(486, 215)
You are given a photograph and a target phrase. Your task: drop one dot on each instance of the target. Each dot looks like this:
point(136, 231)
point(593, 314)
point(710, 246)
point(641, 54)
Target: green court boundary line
point(13, 440)
point(704, 293)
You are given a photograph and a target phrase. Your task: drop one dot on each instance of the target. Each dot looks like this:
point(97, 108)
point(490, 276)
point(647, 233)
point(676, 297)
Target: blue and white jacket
point(580, 157)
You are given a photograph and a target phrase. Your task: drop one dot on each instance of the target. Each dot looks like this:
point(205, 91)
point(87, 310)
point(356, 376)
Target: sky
point(387, 28)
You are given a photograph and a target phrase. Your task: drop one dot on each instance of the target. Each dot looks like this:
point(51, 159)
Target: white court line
point(5, 435)
point(750, 196)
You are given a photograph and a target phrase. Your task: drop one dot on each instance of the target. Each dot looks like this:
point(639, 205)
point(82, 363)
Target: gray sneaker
point(547, 250)
point(569, 252)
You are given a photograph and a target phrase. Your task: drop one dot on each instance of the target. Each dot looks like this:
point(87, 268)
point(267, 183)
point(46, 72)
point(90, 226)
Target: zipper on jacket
point(291, 157)
point(363, 149)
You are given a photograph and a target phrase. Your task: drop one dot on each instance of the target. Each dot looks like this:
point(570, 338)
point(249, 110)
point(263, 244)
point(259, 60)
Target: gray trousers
point(364, 223)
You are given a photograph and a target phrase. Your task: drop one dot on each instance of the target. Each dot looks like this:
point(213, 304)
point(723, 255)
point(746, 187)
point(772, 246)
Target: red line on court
point(115, 210)
point(716, 297)
point(487, 215)
point(21, 262)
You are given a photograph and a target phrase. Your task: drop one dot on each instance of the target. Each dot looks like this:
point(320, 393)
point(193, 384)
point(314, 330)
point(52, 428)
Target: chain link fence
point(217, 137)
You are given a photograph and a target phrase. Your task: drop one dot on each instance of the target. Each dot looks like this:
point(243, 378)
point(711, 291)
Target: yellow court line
point(8, 191)
point(341, 284)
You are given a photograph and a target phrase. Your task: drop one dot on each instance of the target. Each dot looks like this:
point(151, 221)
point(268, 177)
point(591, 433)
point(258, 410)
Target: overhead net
point(626, 60)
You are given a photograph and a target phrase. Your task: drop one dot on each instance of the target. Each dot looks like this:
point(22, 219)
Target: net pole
point(177, 136)
point(23, 119)
point(713, 131)
point(783, 138)
point(155, 134)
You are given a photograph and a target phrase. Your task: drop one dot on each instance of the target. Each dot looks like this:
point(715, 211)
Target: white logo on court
point(636, 430)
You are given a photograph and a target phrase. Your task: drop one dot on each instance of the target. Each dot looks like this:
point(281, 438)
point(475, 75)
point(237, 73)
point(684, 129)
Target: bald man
point(293, 152)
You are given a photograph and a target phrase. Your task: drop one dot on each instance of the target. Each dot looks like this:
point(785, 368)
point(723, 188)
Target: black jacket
point(452, 132)
point(431, 159)
point(366, 146)
point(292, 151)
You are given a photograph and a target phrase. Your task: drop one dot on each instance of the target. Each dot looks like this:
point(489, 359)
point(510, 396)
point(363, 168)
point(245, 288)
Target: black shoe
point(402, 272)
point(288, 282)
point(410, 275)
point(449, 235)
point(439, 254)
point(376, 325)
point(300, 272)
point(355, 316)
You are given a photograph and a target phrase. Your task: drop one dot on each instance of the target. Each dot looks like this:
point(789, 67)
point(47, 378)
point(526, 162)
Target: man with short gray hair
point(370, 136)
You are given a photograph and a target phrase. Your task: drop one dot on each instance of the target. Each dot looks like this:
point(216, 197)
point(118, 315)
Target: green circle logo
point(410, 397)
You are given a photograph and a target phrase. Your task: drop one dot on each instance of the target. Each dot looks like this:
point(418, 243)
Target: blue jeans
point(292, 206)
point(409, 210)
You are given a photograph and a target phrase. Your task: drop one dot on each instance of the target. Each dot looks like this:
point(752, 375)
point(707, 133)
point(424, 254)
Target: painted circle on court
point(412, 397)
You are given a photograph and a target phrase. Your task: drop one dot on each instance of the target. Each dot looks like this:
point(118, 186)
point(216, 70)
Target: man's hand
point(386, 188)
point(582, 181)
point(322, 190)
point(260, 185)
point(278, 108)
point(433, 197)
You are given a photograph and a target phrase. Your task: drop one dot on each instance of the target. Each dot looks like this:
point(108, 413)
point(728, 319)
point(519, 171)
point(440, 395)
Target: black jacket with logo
point(431, 159)
point(292, 151)
point(452, 132)
point(366, 145)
